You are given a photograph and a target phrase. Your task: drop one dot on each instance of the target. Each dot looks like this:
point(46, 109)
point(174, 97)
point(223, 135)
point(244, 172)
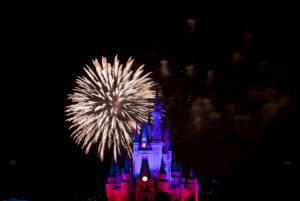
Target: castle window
point(144, 139)
point(144, 145)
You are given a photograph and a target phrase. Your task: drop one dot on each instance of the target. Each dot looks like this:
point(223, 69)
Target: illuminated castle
point(151, 170)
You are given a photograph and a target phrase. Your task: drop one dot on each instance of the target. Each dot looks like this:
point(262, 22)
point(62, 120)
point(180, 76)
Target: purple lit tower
point(151, 171)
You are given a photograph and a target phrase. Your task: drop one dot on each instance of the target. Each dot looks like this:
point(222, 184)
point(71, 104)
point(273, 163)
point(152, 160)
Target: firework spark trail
point(106, 102)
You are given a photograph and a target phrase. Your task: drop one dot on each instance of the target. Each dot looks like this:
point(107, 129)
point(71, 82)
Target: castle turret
point(112, 173)
point(126, 168)
point(174, 166)
point(162, 170)
point(192, 185)
point(118, 175)
point(111, 182)
point(192, 174)
point(180, 177)
point(127, 183)
point(163, 185)
point(174, 174)
point(117, 189)
point(181, 187)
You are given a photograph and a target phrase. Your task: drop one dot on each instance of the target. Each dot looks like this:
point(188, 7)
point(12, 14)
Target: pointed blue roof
point(148, 139)
point(180, 177)
point(174, 166)
point(143, 129)
point(112, 171)
point(145, 170)
point(127, 167)
point(117, 170)
point(162, 167)
point(132, 177)
point(166, 125)
point(192, 174)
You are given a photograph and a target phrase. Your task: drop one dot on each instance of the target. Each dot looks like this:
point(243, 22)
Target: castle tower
point(157, 143)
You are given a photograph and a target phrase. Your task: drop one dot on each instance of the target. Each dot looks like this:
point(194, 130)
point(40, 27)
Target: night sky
point(230, 90)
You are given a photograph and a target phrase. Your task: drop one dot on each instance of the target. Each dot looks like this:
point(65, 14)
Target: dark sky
point(229, 88)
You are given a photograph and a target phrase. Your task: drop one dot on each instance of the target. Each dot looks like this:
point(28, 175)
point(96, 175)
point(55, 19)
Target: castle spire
point(157, 115)
point(162, 167)
point(180, 177)
point(112, 171)
point(144, 141)
point(192, 174)
point(166, 125)
point(174, 166)
point(148, 137)
point(127, 168)
point(118, 175)
point(145, 171)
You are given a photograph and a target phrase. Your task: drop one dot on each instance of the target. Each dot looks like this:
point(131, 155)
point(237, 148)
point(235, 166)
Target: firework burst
point(106, 103)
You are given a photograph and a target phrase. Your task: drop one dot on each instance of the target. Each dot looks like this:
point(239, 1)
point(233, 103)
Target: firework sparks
point(106, 102)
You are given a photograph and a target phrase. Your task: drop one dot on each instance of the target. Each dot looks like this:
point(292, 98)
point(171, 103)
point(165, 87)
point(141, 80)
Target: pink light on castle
point(153, 169)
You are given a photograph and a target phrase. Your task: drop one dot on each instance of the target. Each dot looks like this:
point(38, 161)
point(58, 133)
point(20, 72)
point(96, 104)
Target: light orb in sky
point(144, 178)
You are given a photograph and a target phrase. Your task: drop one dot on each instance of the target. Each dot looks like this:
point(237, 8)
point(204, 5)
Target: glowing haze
point(106, 103)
